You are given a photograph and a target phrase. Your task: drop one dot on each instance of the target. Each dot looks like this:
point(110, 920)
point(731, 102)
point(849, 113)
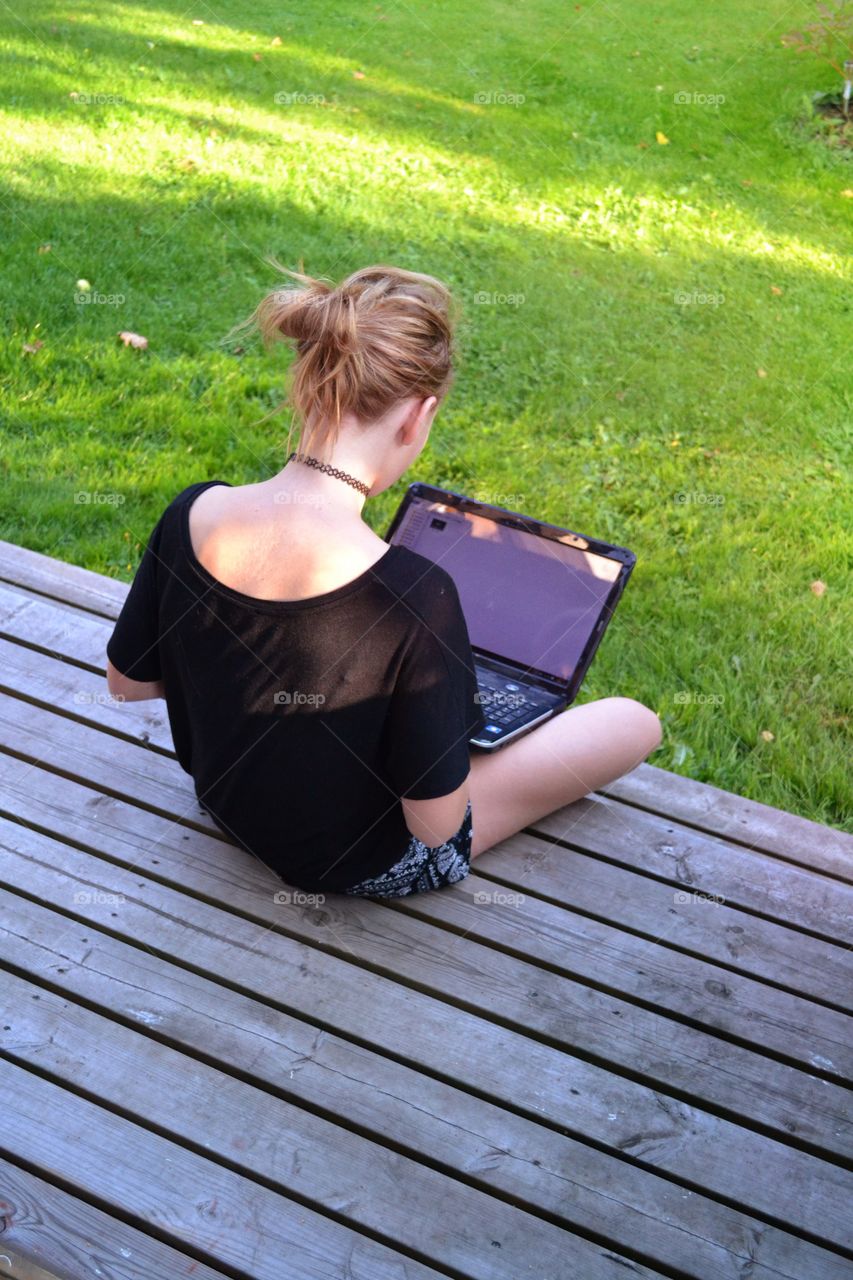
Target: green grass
point(600, 400)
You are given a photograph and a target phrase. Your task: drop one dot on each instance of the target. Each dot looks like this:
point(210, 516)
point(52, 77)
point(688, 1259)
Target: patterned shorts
point(422, 868)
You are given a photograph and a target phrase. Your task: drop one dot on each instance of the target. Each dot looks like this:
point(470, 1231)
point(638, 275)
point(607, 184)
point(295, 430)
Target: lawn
point(650, 244)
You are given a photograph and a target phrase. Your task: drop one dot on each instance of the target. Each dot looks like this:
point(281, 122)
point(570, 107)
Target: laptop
point(537, 600)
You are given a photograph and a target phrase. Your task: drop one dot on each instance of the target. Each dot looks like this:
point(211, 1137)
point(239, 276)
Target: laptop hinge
point(516, 672)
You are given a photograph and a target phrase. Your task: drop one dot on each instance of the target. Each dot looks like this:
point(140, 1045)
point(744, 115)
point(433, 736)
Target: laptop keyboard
point(505, 703)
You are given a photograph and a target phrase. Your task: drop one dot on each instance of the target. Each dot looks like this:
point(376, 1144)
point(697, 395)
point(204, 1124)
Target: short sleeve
point(434, 707)
point(133, 646)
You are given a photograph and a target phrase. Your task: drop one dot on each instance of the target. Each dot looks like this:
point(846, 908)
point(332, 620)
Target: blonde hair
point(381, 336)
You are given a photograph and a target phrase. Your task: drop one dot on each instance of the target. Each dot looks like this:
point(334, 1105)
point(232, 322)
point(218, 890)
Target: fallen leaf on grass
point(774, 288)
point(275, 42)
point(818, 588)
point(256, 57)
point(45, 248)
point(133, 340)
point(762, 373)
point(767, 735)
point(661, 139)
point(358, 75)
point(30, 348)
point(848, 193)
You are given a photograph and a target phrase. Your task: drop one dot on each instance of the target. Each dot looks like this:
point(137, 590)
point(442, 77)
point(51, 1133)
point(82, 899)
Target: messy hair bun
point(381, 336)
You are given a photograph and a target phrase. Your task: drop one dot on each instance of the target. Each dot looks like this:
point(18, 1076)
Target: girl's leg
point(568, 756)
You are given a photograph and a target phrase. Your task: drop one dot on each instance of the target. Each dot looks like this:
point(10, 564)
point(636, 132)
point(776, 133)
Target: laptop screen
point(530, 599)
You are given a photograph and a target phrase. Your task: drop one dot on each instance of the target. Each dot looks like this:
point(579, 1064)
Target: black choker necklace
point(332, 471)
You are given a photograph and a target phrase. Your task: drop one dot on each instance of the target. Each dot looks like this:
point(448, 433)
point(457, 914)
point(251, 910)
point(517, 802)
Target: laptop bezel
point(566, 688)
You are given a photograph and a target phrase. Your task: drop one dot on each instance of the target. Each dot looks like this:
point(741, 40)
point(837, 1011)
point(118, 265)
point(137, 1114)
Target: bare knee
point(638, 722)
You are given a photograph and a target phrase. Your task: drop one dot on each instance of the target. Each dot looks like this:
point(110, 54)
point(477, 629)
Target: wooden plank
point(742, 942)
point(761, 1173)
point(114, 764)
point(687, 859)
point(59, 629)
point(185, 1199)
point(693, 922)
point(690, 859)
point(74, 691)
point(61, 580)
point(669, 794)
point(696, 1066)
point(81, 639)
point(71, 1239)
point(299, 1154)
point(639, 1212)
point(758, 826)
point(806, 1034)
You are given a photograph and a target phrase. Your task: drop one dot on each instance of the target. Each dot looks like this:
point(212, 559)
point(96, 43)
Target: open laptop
point(537, 600)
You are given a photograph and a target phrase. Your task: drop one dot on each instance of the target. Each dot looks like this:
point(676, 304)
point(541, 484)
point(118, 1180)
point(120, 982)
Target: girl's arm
point(127, 690)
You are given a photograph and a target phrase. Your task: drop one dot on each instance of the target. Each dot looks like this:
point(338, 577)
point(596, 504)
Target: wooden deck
point(621, 1047)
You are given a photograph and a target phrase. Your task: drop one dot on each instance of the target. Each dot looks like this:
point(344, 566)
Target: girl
point(320, 684)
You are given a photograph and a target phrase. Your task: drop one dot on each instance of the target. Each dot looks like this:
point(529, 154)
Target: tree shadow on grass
point(521, 146)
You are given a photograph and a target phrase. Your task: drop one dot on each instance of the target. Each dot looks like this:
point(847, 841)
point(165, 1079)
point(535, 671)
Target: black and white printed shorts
point(422, 868)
